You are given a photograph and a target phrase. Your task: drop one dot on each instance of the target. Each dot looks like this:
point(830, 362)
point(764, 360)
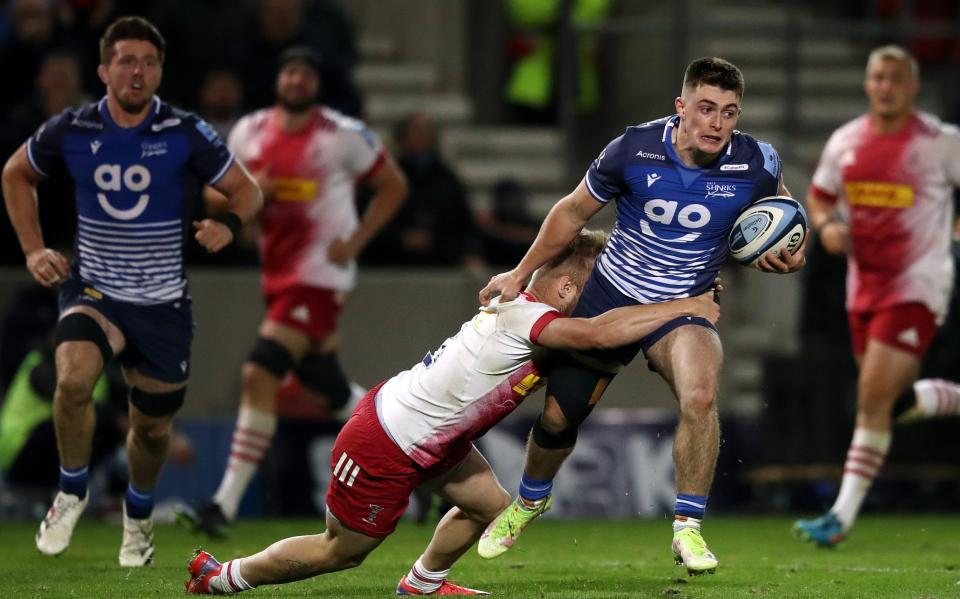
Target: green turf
point(886, 557)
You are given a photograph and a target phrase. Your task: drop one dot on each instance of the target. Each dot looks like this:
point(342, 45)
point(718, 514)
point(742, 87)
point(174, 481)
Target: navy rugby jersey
point(670, 237)
point(132, 192)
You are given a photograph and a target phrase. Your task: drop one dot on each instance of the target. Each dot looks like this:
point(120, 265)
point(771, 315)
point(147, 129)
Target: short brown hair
point(716, 72)
point(576, 260)
point(130, 28)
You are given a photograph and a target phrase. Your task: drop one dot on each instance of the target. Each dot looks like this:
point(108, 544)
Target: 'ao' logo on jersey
point(691, 216)
point(113, 177)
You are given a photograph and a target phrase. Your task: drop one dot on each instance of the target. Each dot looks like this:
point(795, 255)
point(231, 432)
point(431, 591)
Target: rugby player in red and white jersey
point(891, 172)
point(419, 426)
point(308, 160)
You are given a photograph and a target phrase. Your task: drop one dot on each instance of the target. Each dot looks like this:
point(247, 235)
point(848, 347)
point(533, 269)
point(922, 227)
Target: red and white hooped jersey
point(898, 190)
point(314, 171)
point(471, 382)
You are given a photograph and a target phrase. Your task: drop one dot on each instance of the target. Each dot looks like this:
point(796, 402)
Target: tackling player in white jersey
point(420, 425)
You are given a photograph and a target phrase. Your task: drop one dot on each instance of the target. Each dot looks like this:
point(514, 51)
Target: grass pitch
point(914, 557)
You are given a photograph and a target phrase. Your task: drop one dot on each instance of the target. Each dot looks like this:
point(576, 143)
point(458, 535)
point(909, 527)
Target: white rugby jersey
point(471, 382)
point(314, 171)
point(899, 191)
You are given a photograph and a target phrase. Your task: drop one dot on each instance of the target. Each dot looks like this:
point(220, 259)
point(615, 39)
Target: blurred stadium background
point(523, 94)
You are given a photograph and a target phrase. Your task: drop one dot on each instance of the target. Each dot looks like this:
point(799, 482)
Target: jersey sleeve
point(362, 149)
point(827, 180)
point(605, 176)
point(769, 184)
point(527, 319)
point(210, 159)
point(45, 146)
point(951, 154)
point(239, 139)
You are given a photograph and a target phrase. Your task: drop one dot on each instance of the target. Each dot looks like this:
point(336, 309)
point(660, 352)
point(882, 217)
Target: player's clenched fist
point(506, 284)
point(47, 266)
point(212, 235)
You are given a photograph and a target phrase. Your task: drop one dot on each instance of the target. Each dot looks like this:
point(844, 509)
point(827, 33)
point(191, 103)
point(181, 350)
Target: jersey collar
point(151, 115)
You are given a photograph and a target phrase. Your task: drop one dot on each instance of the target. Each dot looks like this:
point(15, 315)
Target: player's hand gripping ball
point(768, 225)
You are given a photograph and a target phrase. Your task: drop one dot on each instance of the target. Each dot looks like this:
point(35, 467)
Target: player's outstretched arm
point(47, 266)
point(389, 193)
point(244, 201)
point(622, 326)
point(562, 224)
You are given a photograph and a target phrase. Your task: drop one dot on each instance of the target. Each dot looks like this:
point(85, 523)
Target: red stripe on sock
point(859, 473)
point(249, 431)
point(420, 576)
point(864, 461)
point(235, 588)
point(869, 450)
point(244, 457)
point(251, 444)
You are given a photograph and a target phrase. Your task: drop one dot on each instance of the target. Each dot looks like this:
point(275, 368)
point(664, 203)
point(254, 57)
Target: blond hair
point(894, 52)
point(576, 260)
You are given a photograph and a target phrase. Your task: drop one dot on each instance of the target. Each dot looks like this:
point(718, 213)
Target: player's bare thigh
point(473, 487)
point(79, 358)
point(297, 342)
point(688, 358)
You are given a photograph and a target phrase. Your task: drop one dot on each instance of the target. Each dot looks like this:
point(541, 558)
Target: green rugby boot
point(505, 529)
point(690, 550)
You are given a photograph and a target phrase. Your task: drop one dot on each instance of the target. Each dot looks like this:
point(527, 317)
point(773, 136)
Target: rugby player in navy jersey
point(134, 161)
point(679, 184)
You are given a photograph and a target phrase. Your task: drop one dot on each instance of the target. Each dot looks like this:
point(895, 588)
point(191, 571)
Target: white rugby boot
point(53, 538)
point(137, 547)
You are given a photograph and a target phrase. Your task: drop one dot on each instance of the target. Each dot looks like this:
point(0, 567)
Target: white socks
point(251, 440)
point(424, 580)
point(936, 397)
point(687, 522)
point(866, 455)
point(229, 580)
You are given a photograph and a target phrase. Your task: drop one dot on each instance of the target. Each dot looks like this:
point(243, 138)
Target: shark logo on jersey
point(94, 146)
point(653, 178)
point(113, 177)
point(720, 190)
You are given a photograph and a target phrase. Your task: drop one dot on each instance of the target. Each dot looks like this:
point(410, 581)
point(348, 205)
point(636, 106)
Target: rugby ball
point(768, 225)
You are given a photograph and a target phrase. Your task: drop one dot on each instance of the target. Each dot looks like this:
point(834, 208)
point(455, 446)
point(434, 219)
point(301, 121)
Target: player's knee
point(698, 402)
point(322, 373)
point(552, 419)
point(564, 438)
point(75, 387)
point(271, 357)
point(153, 433)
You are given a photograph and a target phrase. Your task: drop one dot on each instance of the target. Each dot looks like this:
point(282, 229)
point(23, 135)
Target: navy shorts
point(158, 336)
point(599, 296)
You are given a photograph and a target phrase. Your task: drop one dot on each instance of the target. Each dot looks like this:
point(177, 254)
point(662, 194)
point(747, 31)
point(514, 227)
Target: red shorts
point(909, 327)
point(372, 477)
point(310, 310)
